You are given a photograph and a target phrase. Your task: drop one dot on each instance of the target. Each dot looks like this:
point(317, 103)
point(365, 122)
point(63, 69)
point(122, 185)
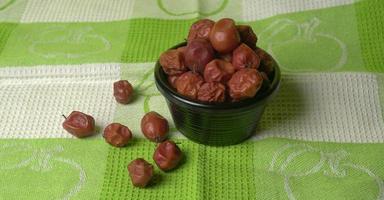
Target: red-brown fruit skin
point(213, 92)
point(218, 71)
point(244, 84)
point(247, 35)
point(172, 80)
point(172, 62)
point(188, 84)
point(140, 172)
point(167, 155)
point(154, 127)
point(198, 53)
point(117, 134)
point(266, 62)
point(200, 29)
point(122, 91)
point(79, 124)
point(245, 57)
point(224, 36)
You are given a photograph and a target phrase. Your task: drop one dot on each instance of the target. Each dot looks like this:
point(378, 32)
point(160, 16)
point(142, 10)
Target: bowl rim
point(169, 92)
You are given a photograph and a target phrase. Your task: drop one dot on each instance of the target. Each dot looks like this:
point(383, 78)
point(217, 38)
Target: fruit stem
point(64, 116)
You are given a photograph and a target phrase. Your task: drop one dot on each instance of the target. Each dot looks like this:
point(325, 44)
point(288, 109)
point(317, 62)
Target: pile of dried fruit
point(220, 62)
point(154, 127)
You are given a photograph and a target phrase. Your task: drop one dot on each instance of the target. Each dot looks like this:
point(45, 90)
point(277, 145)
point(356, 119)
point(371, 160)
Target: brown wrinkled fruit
point(244, 84)
point(172, 80)
point(245, 57)
point(198, 53)
point(154, 127)
point(79, 124)
point(122, 91)
point(167, 155)
point(247, 35)
point(211, 92)
point(218, 71)
point(182, 50)
point(224, 36)
point(200, 29)
point(141, 172)
point(266, 62)
point(117, 134)
point(172, 62)
point(188, 84)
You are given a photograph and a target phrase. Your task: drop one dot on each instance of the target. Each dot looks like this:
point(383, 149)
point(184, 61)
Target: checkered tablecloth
point(322, 137)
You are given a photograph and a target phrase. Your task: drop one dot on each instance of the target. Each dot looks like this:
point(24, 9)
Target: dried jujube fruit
point(247, 35)
point(154, 127)
point(245, 57)
point(122, 91)
point(117, 134)
point(172, 62)
point(266, 61)
point(200, 29)
point(211, 92)
point(198, 53)
point(218, 71)
point(182, 50)
point(141, 172)
point(244, 84)
point(224, 36)
point(188, 84)
point(79, 124)
point(167, 155)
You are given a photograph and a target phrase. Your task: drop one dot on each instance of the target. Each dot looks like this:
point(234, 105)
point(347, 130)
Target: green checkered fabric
point(321, 137)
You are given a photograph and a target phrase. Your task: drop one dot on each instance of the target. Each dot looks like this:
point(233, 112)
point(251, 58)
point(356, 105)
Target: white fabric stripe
point(260, 9)
point(333, 107)
point(32, 99)
point(77, 11)
point(104, 10)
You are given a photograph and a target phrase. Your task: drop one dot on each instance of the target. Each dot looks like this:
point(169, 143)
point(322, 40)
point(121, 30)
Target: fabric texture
point(320, 137)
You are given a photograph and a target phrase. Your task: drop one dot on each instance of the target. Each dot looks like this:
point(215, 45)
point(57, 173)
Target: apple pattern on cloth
point(183, 7)
point(60, 41)
point(40, 160)
point(4, 4)
point(285, 35)
point(146, 88)
point(330, 164)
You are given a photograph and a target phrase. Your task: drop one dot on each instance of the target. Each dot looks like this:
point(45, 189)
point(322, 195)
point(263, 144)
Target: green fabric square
point(148, 38)
point(371, 28)
point(52, 168)
point(313, 40)
point(65, 43)
point(181, 183)
point(266, 169)
point(6, 30)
